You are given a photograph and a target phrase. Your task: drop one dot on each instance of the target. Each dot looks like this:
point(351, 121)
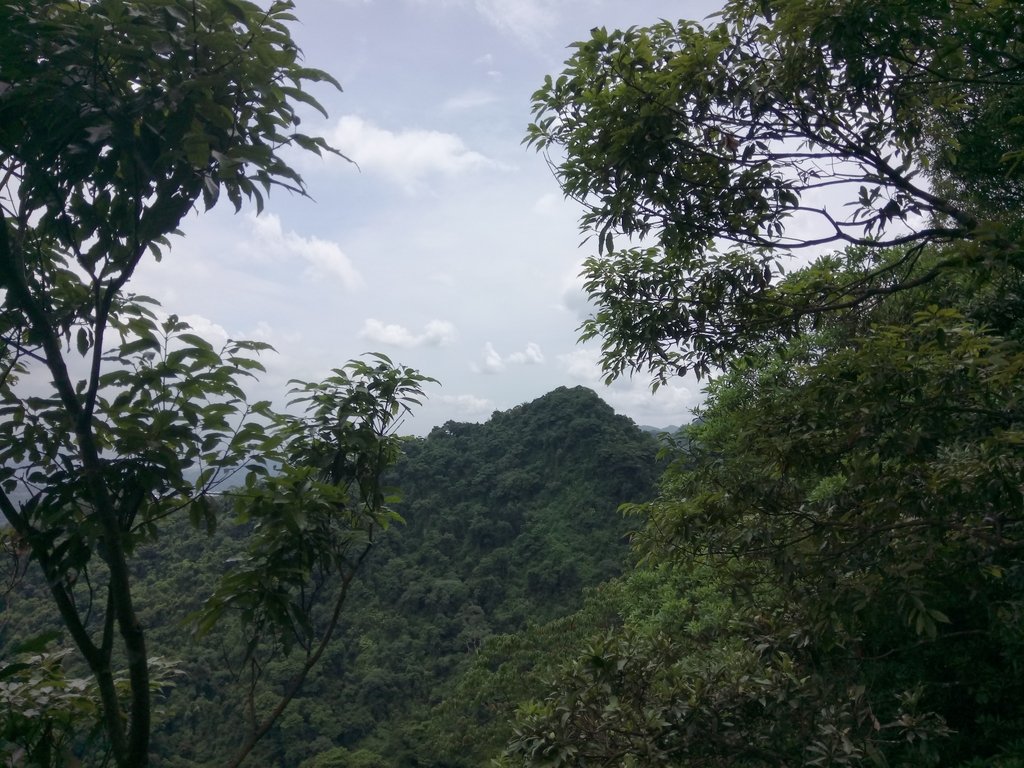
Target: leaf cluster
point(117, 119)
point(721, 152)
point(848, 506)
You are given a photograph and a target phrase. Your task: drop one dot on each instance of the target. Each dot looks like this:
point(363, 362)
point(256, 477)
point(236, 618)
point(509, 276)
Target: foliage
point(321, 510)
point(410, 675)
point(505, 522)
point(313, 522)
point(339, 757)
point(786, 127)
point(116, 120)
point(45, 715)
point(851, 491)
point(117, 117)
point(41, 711)
point(308, 527)
point(852, 499)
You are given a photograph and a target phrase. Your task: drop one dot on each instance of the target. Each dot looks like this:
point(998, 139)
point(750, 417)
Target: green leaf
point(36, 643)
point(137, 346)
point(83, 342)
point(236, 10)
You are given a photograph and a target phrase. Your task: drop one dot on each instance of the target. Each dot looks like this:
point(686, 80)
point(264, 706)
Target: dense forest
point(817, 206)
point(506, 523)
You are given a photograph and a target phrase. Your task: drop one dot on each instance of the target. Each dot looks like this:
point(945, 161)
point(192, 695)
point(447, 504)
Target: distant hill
point(554, 469)
point(506, 522)
point(670, 429)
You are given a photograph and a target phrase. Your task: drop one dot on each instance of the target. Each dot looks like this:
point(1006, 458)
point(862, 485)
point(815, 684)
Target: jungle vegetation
point(829, 572)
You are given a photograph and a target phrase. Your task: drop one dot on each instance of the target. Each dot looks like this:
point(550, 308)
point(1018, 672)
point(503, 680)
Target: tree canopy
point(724, 152)
point(816, 204)
point(832, 570)
point(116, 120)
point(524, 519)
point(825, 213)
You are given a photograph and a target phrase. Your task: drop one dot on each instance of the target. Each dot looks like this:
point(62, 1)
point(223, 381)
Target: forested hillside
point(506, 523)
point(816, 206)
point(831, 574)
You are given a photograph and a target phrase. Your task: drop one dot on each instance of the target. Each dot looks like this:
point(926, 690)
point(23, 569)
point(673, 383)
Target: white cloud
point(583, 365)
point(436, 333)
point(443, 279)
point(530, 356)
point(469, 100)
point(324, 259)
point(671, 404)
point(526, 19)
point(575, 299)
point(550, 204)
point(494, 362)
point(469, 405)
point(523, 18)
point(405, 157)
point(487, 61)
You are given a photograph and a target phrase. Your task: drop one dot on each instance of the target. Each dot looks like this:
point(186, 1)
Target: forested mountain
point(831, 574)
point(506, 523)
point(522, 502)
point(829, 570)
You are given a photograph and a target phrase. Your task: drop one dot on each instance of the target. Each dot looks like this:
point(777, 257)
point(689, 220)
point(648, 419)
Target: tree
point(116, 120)
point(339, 757)
point(720, 148)
point(314, 521)
point(843, 532)
point(852, 488)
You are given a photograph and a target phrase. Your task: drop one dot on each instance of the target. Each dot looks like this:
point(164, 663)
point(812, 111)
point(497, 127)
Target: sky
point(450, 247)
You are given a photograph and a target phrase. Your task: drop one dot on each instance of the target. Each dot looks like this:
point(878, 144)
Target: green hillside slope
point(505, 523)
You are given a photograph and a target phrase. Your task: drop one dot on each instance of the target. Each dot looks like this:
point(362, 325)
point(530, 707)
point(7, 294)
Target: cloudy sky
point(450, 247)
